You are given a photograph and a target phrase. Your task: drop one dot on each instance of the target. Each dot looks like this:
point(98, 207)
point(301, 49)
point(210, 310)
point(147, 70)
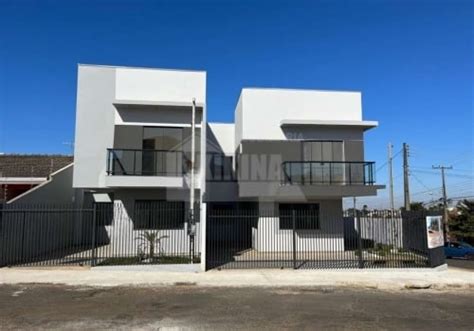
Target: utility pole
point(445, 199)
point(406, 184)
point(390, 176)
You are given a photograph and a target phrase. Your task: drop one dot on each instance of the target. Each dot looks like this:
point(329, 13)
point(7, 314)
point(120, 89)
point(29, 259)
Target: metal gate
point(292, 236)
point(149, 232)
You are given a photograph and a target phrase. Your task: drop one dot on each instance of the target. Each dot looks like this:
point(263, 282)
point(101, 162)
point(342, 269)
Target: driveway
point(191, 307)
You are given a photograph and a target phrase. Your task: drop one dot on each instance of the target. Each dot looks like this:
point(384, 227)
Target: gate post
point(359, 239)
point(293, 218)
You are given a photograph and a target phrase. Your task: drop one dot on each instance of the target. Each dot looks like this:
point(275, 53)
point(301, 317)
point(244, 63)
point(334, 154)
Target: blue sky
point(412, 60)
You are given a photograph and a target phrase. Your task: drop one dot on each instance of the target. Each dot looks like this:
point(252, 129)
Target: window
point(306, 216)
point(162, 138)
point(157, 141)
point(159, 215)
point(327, 151)
point(324, 152)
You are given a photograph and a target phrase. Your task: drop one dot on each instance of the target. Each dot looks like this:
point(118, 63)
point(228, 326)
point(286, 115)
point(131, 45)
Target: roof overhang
point(22, 180)
point(121, 102)
point(365, 125)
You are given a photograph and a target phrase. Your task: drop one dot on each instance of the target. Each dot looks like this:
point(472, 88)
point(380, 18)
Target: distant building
point(20, 173)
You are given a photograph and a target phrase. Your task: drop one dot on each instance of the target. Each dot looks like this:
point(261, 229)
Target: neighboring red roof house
point(19, 173)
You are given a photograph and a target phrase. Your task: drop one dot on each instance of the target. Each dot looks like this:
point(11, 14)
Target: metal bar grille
point(149, 232)
point(272, 237)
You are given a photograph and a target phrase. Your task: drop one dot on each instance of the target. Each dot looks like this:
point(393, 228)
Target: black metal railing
point(328, 173)
point(295, 237)
point(142, 162)
point(239, 235)
point(145, 232)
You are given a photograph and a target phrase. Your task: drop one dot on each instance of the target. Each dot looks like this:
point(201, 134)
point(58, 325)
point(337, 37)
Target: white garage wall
point(268, 237)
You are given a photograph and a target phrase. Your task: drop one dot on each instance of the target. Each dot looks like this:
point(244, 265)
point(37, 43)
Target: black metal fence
point(309, 238)
point(149, 232)
point(245, 235)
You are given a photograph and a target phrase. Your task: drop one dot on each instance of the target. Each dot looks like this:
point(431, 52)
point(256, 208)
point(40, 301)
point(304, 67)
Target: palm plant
point(151, 240)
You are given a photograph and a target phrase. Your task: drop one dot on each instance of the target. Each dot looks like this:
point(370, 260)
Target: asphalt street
point(191, 307)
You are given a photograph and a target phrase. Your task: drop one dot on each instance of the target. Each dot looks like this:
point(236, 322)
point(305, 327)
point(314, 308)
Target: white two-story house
point(288, 150)
point(133, 141)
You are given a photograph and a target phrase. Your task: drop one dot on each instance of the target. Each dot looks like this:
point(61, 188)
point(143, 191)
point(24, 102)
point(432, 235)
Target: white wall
point(260, 111)
point(56, 190)
point(123, 236)
point(224, 134)
point(158, 85)
point(94, 125)
point(268, 237)
point(238, 119)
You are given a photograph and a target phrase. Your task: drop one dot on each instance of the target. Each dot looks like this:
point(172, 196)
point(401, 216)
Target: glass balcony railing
point(138, 162)
point(328, 173)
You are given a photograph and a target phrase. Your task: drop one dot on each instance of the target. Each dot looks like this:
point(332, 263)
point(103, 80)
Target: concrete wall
point(268, 237)
point(220, 139)
point(238, 119)
point(260, 111)
point(222, 136)
point(160, 85)
point(57, 189)
point(95, 116)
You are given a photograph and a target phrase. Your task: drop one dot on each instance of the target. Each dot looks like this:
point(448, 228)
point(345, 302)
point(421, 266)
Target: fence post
point(359, 239)
point(94, 225)
point(293, 218)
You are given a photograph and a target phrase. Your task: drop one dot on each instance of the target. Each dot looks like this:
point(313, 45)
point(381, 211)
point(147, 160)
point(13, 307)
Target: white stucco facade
point(259, 112)
point(116, 104)
point(109, 96)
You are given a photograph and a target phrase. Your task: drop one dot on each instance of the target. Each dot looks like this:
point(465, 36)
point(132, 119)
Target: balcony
point(328, 173)
point(146, 168)
point(138, 162)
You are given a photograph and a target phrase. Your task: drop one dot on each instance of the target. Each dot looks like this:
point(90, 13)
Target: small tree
point(417, 206)
point(461, 224)
point(151, 240)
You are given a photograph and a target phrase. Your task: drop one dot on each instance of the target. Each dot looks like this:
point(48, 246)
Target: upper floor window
point(327, 151)
point(162, 138)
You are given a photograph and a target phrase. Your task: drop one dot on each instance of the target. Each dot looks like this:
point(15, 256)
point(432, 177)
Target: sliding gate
point(304, 237)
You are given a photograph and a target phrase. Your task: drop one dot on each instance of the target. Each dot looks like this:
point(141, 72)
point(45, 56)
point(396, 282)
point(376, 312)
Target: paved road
point(58, 307)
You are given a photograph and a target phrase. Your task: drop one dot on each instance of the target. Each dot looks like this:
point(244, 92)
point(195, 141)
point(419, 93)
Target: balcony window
point(161, 139)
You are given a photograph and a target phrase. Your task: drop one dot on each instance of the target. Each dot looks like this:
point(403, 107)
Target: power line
point(419, 180)
point(448, 175)
point(386, 163)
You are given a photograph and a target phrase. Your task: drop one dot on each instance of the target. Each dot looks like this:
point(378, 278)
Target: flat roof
point(137, 67)
point(298, 89)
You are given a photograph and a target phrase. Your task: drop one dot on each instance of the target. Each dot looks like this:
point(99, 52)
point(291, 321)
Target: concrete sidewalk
point(387, 279)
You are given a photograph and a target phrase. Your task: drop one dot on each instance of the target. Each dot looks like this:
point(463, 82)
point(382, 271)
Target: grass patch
point(134, 260)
